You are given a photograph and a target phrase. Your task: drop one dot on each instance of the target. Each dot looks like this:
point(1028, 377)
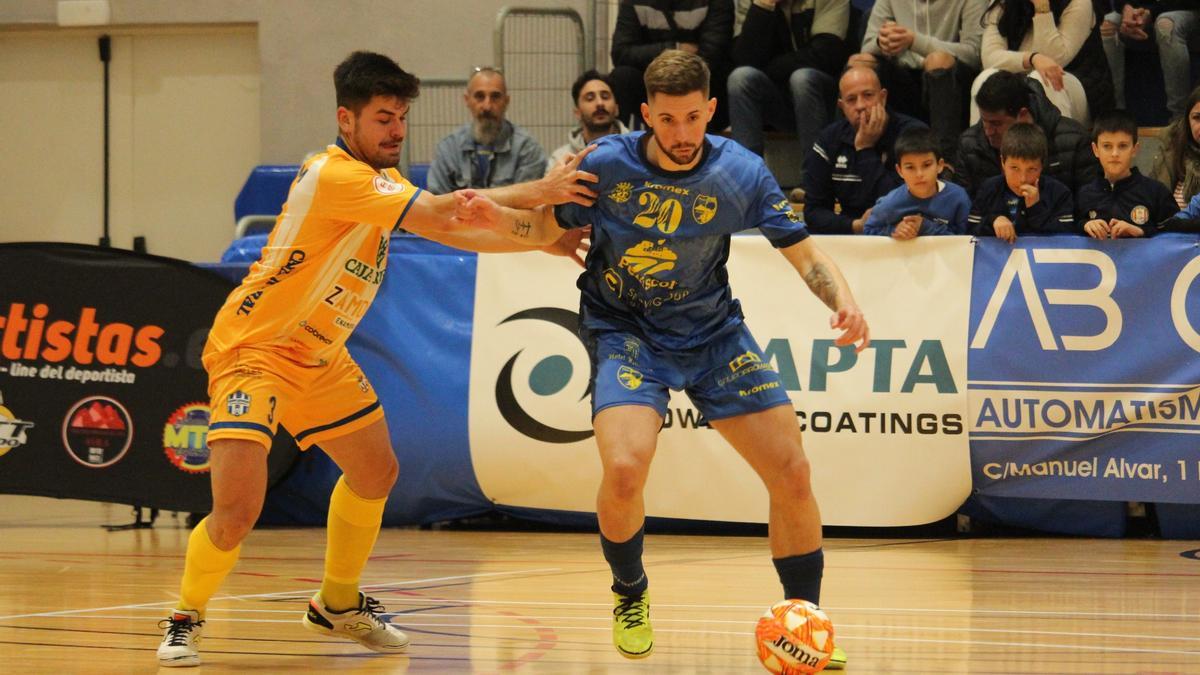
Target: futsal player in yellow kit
point(276, 353)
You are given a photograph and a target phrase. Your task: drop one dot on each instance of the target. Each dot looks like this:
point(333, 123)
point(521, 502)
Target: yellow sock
point(204, 569)
point(352, 528)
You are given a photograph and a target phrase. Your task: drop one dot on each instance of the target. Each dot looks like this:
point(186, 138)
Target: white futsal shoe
point(180, 644)
point(362, 624)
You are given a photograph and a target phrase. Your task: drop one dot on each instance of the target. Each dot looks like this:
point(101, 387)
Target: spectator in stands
point(1005, 99)
point(1178, 164)
point(1022, 201)
point(1058, 43)
point(786, 56)
point(1175, 23)
point(597, 112)
point(851, 164)
point(1187, 220)
point(927, 54)
point(645, 28)
point(924, 205)
point(1123, 202)
point(490, 151)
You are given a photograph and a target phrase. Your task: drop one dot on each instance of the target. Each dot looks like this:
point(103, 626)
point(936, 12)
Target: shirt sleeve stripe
point(407, 207)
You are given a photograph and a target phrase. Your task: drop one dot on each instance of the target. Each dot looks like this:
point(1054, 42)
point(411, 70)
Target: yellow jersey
point(322, 264)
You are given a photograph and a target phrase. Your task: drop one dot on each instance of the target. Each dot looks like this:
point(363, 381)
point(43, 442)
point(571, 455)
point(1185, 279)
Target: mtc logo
point(1019, 269)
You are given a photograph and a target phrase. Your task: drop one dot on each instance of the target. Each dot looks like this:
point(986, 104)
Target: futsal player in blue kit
point(657, 313)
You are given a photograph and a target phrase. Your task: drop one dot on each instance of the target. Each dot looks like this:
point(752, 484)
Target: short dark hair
point(1024, 140)
point(582, 80)
point(916, 141)
point(1115, 122)
point(364, 75)
point(675, 72)
point(1003, 92)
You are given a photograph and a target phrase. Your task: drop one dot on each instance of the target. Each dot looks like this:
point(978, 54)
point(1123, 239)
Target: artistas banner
point(1085, 369)
point(102, 394)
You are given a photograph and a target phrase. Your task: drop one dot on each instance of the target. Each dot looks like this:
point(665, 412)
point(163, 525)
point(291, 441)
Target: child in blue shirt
point(1022, 201)
point(924, 205)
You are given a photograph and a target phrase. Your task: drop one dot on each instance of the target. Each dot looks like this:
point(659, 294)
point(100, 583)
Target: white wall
point(184, 134)
point(293, 45)
point(300, 42)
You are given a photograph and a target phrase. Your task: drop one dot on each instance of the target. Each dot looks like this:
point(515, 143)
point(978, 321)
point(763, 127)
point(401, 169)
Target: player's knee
point(387, 474)
point(392, 474)
point(792, 479)
point(230, 523)
point(625, 476)
point(376, 484)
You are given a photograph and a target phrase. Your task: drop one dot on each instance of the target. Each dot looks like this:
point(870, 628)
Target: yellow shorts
point(253, 391)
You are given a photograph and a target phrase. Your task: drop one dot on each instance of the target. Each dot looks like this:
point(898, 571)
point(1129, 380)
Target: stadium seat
point(264, 191)
point(418, 174)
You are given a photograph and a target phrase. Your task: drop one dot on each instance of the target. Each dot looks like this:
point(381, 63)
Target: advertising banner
point(885, 429)
point(102, 394)
point(1085, 369)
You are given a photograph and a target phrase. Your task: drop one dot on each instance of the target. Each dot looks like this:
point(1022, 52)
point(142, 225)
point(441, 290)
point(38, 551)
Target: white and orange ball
point(794, 636)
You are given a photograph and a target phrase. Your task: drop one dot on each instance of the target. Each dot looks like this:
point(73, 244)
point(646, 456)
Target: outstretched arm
point(560, 185)
point(433, 217)
point(826, 282)
point(529, 227)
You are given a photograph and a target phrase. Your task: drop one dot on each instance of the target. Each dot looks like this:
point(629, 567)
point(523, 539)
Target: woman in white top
point(1058, 43)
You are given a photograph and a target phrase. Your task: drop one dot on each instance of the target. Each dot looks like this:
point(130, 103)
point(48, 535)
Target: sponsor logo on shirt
point(704, 208)
point(386, 187)
point(621, 193)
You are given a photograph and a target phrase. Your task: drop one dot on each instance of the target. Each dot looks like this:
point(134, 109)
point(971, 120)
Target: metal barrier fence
point(439, 110)
point(542, 51)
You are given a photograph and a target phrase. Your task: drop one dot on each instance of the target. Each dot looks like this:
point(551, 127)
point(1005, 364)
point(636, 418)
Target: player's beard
point(377, 158)
point(676, 153)
point(594, 128)
point(383, 160)
point(487, 129)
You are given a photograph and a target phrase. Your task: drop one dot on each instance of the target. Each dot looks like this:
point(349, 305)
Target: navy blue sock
point(801, 575)
point(625, 559)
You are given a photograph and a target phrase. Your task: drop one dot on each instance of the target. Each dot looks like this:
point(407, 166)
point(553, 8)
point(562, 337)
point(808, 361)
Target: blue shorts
point(726, 377)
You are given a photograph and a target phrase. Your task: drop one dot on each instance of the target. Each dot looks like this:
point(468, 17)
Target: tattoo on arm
point(822, 284)
point(521, 228)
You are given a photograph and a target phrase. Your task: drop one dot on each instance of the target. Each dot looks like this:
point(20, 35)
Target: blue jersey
point(660, 239)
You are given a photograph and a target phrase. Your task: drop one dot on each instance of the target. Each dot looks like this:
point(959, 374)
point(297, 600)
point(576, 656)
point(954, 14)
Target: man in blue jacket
point(851, 162)
point(489, 151)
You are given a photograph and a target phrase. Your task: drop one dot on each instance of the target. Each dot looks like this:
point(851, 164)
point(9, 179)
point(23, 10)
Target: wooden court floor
point(74, 598)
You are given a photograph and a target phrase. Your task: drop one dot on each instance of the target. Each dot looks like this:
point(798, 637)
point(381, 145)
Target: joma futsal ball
point(794, 636)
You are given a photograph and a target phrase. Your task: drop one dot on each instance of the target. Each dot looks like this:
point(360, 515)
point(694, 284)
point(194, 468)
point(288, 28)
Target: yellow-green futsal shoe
point(837, 661)
point(632, 634)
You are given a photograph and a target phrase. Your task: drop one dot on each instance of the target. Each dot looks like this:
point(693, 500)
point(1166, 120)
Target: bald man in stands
point(852, 162)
